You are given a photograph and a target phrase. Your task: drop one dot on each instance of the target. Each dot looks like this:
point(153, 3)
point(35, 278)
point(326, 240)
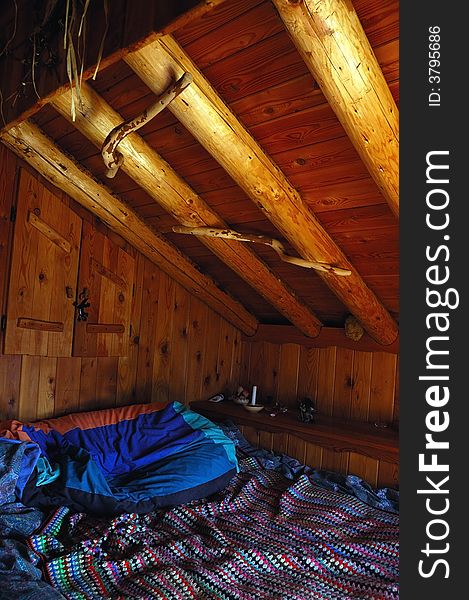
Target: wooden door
point(106, 279)
point(40, 311)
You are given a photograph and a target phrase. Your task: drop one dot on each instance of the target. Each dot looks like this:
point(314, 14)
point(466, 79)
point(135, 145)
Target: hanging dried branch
point(230, 234)
point(101, 47)
point(74, 66)
point(114, 159)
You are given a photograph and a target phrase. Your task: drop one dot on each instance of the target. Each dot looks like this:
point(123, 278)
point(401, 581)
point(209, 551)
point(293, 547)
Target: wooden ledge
point(329, 336)
point(327, 432)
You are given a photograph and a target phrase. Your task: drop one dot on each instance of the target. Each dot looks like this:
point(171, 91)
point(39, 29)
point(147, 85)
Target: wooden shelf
point(327, 432)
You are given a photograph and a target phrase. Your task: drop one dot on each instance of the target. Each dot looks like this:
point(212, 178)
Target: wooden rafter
point(31, 144)
point(330, 38)
point(153, 174)
point(204, 114)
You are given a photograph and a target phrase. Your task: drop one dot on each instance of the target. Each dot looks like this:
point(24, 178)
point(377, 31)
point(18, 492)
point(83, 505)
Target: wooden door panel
point(40, 311)
point(107, 277)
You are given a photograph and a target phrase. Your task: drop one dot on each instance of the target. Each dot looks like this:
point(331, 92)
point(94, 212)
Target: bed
point(275, 530)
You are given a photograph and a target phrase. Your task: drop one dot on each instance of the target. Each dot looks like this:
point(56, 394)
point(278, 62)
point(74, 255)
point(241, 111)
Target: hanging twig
point(101, 47)
point(114, 159)
point(33, 67)
point(230, 234)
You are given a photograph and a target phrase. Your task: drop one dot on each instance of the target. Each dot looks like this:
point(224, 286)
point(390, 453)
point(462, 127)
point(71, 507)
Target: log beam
point(204, 114)
point(31, 144)
point(330, 38)
point(153, 174)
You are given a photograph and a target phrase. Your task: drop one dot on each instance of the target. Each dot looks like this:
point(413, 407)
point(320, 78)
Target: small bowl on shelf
point(254, 408)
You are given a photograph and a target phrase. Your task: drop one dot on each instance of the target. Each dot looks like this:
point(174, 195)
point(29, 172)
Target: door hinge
point(3, 323)
point(13, 213)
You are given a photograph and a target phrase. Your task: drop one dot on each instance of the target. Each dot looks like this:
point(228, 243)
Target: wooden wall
point(179, 348)
point(362, 386)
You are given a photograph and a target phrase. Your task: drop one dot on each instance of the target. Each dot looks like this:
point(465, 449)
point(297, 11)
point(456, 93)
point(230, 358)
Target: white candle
point(254, 392)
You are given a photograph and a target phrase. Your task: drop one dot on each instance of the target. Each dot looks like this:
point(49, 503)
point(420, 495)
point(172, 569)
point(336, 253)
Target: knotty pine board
point(179, 349)
point(362, 386)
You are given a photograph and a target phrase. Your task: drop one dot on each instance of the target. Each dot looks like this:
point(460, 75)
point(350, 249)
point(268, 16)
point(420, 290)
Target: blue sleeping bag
point(130, 459)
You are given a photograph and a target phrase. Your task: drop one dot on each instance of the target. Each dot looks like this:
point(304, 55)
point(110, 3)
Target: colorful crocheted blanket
point(262, 537)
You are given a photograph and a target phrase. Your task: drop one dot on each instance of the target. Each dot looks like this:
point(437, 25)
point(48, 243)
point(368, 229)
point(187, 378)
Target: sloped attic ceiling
point(333, 207)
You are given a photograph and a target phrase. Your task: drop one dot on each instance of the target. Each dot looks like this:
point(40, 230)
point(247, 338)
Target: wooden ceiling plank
point(31, 144)
point(154, 175)
point(330, 38)
point(203, 113)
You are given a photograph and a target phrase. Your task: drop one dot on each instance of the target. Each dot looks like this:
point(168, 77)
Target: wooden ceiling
point(245, 52)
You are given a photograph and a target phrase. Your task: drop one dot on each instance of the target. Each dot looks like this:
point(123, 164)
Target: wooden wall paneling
point(296, 447)
point(288, 375)
point(92, 245)
point(237, 360)
point(364, 467)
point(104, 270)
point(264, 369)
point(107, 271)
point(179, 346)
point(163, 347)
point(388, 475)
point(46, 386)
point(251, 434)
point(225, 358)
point(147, 332)
point(29, 389)
point(198, 323)
point(245, 367)
point(21, 293)
point(335, 461)
point(65, 267)
point(280, 442)
point(210, 384)
point(106, 381)
point(308, 373)
point(343, 383)
point(8, 169)
point(127, 368)
point(123, 299)
point(326, 379)
point(37, 390)
point(361, 389)
point(46, 238)
point(313, 455)
point(265, 439)
point(44, 284)
point(67, 389)
point(383, 378)
point(10, 374)
point(88, 380)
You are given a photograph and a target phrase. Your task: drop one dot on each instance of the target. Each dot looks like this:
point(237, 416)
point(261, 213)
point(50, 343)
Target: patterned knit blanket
point(262, 537)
